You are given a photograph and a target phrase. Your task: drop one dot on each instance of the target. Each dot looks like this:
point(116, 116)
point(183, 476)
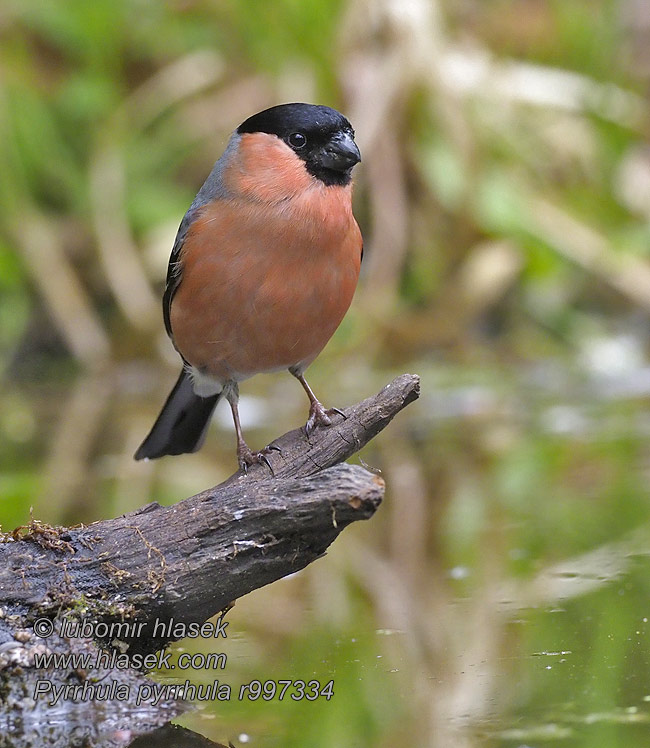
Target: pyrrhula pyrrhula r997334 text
point(263, 269)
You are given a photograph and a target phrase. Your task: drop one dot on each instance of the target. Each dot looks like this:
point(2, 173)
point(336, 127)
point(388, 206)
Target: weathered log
point(188, 561)
point(149, 574)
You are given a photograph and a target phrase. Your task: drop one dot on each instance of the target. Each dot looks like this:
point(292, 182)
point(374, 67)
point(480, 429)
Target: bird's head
point(320, 136)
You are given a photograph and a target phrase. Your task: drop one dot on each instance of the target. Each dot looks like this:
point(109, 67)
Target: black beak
point(340, 154)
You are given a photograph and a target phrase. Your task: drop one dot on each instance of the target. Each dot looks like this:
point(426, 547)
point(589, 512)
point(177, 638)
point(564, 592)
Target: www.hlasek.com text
point(112, 659)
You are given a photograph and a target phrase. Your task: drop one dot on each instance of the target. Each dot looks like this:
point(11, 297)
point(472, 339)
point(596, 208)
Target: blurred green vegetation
point(504, 197)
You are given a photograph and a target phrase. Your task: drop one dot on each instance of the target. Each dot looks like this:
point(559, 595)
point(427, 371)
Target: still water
point(571, 672)
point(500, 598)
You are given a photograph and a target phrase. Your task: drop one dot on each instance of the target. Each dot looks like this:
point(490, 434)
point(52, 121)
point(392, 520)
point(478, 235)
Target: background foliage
point(500, 596)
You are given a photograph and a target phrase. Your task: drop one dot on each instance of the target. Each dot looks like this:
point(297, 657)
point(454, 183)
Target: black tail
point(182, 423)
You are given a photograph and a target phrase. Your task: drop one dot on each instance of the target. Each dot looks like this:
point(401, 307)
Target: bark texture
point(159, 569)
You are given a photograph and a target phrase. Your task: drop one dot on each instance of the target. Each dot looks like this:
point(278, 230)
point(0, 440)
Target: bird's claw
point(246, 457)
point(319, 416)
point(265, 460)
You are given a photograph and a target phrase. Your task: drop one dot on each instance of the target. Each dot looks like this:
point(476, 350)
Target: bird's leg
point(318, 414)
point(245, 455)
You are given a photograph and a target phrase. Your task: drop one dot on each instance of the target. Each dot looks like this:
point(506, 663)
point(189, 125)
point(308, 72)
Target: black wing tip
point(146, 452)
point(141, 454)
point(182, 424)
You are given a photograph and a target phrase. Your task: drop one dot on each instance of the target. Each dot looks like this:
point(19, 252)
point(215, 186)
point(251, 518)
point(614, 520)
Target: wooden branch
point(143, 579)
point(302, 455)
point(188, 561)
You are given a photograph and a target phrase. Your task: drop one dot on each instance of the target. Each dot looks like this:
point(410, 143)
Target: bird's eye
point(297, 140)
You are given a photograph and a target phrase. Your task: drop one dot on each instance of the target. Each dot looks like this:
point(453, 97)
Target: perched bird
point(263, 269)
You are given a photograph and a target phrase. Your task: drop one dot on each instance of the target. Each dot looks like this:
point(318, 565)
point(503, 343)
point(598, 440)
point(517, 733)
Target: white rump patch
point(204, 385)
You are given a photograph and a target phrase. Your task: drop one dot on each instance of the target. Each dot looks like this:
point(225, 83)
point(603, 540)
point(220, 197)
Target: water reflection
point(498, 598)
point(173, 736)
point(107, 734)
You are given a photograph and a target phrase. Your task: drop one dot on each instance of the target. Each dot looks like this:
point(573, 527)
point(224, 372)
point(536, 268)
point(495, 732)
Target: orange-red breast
point(263, 269)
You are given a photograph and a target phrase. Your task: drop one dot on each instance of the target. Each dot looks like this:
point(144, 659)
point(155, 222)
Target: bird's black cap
point(285, 119)
point(322, 137)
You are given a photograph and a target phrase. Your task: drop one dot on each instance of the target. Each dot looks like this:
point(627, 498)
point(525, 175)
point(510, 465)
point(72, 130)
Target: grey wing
point(212, 189)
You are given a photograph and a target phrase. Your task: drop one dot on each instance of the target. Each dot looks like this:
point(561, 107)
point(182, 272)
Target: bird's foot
point(246, 457)
point(320, 416)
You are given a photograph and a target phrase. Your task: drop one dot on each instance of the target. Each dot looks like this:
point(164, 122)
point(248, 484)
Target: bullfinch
point(263, 269)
